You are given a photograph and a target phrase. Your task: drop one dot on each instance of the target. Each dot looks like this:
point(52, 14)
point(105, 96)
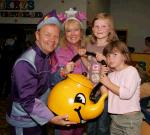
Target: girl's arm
point(86, 62)
point(84, 58)
point(100, 57)
point(103, 89)
point(110, 85)
point(127, 85)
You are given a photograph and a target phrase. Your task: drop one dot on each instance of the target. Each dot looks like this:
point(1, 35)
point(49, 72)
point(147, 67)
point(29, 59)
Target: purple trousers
point(38, 130)
point(73, 130)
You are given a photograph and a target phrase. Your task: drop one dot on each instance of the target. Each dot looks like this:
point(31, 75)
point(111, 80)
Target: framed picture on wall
point(122, 35)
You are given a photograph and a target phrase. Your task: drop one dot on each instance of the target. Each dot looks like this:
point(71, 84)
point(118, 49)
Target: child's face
point(101, 28)
point(115, 60)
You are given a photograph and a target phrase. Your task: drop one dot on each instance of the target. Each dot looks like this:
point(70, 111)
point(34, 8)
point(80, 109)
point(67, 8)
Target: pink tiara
point(71, 13)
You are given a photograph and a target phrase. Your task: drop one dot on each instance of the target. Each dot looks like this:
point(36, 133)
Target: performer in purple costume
point(32, 80)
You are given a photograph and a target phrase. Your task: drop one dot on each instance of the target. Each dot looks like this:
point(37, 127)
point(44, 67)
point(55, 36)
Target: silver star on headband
point(71, 12)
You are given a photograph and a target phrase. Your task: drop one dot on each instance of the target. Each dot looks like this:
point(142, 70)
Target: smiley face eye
point(80, 98)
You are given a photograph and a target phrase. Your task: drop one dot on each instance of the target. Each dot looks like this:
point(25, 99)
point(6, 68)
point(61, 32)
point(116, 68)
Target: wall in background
point(42, 6)
point(26, 24)
point(133, 16)
point(96, 6)
point(130, 15)
point(91, 7)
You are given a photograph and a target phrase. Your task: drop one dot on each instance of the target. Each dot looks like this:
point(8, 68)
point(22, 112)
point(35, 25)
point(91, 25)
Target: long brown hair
point(118, 46)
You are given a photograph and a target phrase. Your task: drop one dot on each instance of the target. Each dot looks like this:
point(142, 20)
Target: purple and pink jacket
point(65, 54)
point(31, 83)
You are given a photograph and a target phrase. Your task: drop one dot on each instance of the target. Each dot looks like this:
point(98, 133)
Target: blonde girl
point(103, 33)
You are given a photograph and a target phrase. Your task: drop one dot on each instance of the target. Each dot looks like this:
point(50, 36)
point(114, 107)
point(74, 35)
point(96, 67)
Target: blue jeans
point(100, 125)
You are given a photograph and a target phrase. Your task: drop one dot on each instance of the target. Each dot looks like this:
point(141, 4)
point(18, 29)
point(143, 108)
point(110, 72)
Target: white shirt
point(129, 81)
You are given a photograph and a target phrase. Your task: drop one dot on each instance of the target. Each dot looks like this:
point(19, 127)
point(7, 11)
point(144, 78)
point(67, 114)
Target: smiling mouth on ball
point(79, 114)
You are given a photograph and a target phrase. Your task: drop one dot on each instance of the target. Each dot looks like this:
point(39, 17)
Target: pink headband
point(72, 14)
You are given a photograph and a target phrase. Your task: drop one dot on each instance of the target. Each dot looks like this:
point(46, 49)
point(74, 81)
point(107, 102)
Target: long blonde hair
point(112, 35)
point(63, 40)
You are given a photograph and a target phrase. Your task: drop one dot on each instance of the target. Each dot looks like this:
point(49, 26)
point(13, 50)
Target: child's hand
point(105, 80)
point(109, 85)
point(100, 57)
point(104, 90)
point(82, 51)
point(104, 69)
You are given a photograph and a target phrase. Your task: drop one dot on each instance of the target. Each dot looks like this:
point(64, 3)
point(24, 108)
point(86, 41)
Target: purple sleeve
point(25, 76)
point(65, 55)
point(41, 114)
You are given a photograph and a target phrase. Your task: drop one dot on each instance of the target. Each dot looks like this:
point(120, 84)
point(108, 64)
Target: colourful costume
point(65, 54)
point(31, 83)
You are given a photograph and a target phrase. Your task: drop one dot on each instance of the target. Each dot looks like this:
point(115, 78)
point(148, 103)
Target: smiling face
point(72, 97)
point(101, 28)
point(47, 38)
point(73, 31)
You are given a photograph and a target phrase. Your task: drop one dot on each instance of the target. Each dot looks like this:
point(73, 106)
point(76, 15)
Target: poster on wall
point(23, 8)
point(30, 11)
point(17, 4)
